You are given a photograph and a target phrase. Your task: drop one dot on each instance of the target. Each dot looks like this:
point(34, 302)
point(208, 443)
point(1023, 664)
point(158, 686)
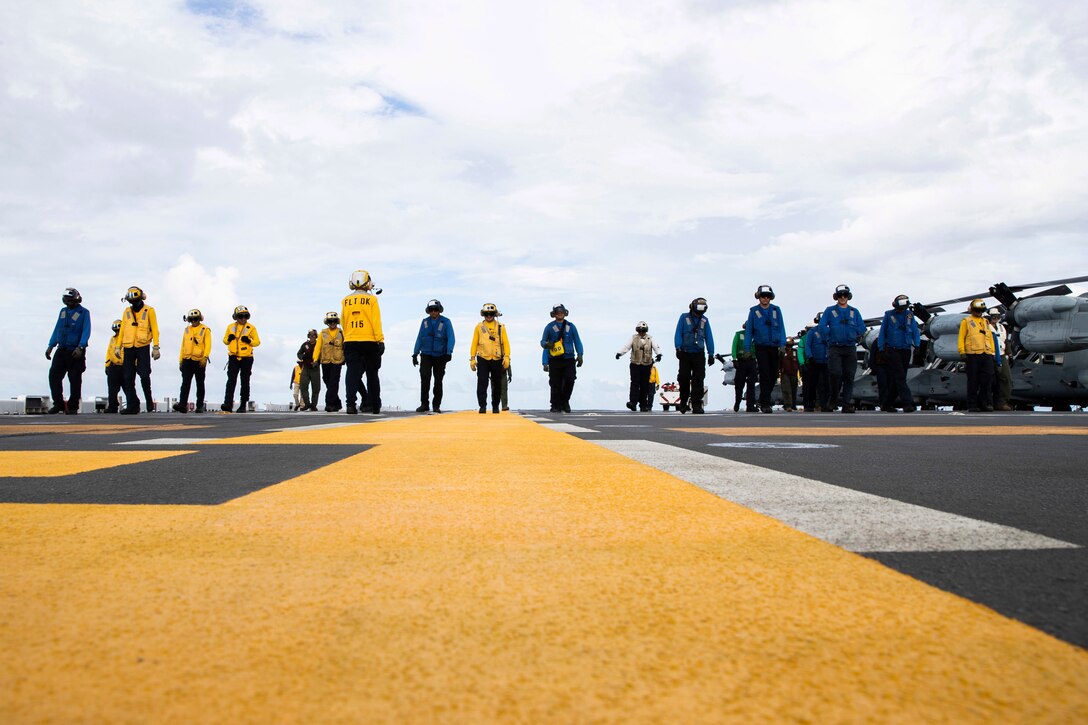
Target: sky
point(620, 158)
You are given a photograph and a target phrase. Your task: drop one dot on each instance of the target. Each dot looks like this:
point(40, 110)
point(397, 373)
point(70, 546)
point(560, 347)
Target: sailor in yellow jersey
point(139, 346)
point(489, 355)
point(240, 339)
point(115, 374)
point(196, 349)
point(364, 342)
point(976, 345)
point(329, 352)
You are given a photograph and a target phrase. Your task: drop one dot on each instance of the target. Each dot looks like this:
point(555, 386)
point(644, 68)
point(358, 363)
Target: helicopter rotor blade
point(1019, 287)
point(1059, 291)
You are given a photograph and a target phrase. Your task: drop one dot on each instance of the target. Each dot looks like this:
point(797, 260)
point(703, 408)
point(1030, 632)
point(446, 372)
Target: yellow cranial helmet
point(360, 280)
point(240, 312)
point(116, 326)
point(332, 318)
point(133, 294)
point(194, 314)
point(490, 309)
point(976, 305)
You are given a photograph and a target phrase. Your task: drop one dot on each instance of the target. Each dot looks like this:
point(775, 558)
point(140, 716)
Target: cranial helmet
point(556, 309)
point(360, 280)
point(194, 314)
point(332, 318)
point(790, 341)
point(764, 290)
point(134, 294)
point(901, 302)
point(71, 296)
point(642, 326)
point(816, 319)
point(976, 305)
point(241, 311)
point(116, 326)
point(434, 305)
point(698, 305)
point(489, 308)
point(843, 290)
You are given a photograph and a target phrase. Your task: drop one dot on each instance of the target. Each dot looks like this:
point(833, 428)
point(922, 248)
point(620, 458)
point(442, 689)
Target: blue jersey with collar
point(435, 337)
point(572, 343)
point(898, 331)
point(842, 326)
point(815, 346)
point(73, 328)
point(693, 334)
point(765, 327)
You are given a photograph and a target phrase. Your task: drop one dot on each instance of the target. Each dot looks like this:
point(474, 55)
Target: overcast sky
point(619, 157)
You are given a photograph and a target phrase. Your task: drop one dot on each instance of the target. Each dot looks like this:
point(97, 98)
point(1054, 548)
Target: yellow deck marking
point(105, 428)
point(482, 568)
point(967, 430)
point(33, 464)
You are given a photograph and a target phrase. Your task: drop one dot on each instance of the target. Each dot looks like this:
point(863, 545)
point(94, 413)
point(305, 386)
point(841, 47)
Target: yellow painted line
point(16, 430)
point(482, 568)
point(34, 464)
point(968, 430)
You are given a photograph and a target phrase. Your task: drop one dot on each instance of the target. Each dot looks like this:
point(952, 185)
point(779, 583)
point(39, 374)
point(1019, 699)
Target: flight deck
point(595, 566)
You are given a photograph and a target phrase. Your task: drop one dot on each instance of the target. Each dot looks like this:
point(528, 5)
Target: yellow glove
point(505, 363)
point(204, 362)
point(155, 352)
point(472, 364)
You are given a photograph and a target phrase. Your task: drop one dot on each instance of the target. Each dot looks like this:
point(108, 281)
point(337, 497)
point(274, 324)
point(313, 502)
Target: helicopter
point(1047, 349)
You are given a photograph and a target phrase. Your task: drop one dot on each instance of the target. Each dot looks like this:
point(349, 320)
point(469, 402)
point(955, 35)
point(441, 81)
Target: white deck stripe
point(567, 428)
point(854, 520)
point(319, 426)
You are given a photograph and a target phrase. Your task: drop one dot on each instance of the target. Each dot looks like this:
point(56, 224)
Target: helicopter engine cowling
point(1052, 324)
point(944, 325)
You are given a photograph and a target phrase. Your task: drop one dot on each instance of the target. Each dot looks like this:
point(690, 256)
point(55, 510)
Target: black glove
point(658, 358)
point(447, 358)
point(231, 338)
point(77, 353)
point(381, 348)
point(618, 356)
point(181, 368)
point(415, 361)
point(509, 375)
point(578, 361)
point(245, 339)
point(49, 353)
point(709, 359)
point(545, 368)
point(677, 353)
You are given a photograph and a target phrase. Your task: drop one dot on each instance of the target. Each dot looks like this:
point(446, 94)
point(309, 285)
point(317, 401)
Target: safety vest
point(195, 343)
point(330, 347)
point(139, 329)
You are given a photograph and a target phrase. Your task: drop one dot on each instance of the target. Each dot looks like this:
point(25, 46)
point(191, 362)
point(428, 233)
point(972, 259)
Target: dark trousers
point(363, 358)
point(561, 376)
point(1002, 382)
point(65, 365)
point(898, 363)
point(744, 381)
point(488, 371)
point(980, 380)
point(818, 380)
point(190, 370)
point(767, 360)
point(136, 361)
point(309, 384)
point(115, 378)
point(885, 390)
point(691, 377)
point(842, 366)
point(330, 374)
point(789, 389)
point(431, 365)
point(640, 385)
point(238, 367)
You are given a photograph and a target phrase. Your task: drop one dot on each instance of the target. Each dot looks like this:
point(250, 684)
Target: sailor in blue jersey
point(694, 341)
point(899, 334)
point(70, 337)
point(843, 326)
point(816, 362)
point(434, 342)
point(560, 360)
point(766, 336)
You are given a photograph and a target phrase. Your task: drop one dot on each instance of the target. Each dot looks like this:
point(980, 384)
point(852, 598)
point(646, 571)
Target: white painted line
point(567, 428)
point(322, 426)
point(854, 520)
point(785, 445)
point(166, 442)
